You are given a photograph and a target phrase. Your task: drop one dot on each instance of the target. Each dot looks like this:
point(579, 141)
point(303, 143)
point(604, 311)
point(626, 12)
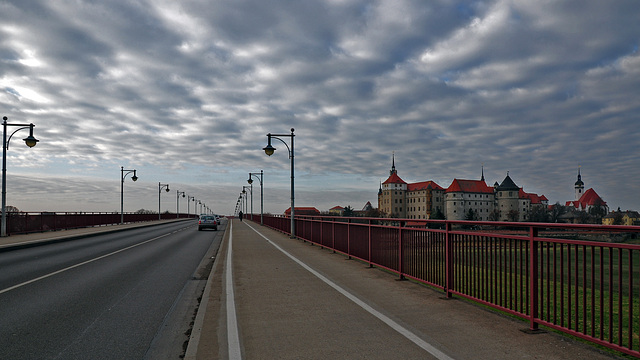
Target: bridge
point(471, 291)
point(397, 288)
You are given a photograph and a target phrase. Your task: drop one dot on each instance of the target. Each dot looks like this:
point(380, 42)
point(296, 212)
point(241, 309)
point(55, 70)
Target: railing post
point(370, 260)
point(533, 279)
point(448, 261)
point(400, 252)
point(349, 237)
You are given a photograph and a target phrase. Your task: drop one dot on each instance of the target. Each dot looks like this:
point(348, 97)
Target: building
point(629, 217)
point(465, 197)
point(586, 200)
point(398, 199)
point(462, 200)
point(336, 211)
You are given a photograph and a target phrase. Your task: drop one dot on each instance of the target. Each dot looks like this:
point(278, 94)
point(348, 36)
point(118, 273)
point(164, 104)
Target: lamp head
point(250, 181)
point(167, 188)
point(269, 150)
point(31, 141)
point(134, 177)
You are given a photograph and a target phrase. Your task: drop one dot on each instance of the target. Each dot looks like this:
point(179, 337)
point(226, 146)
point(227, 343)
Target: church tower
point(579, 186)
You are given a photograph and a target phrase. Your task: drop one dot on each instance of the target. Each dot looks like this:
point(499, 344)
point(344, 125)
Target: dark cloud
point(187, 91)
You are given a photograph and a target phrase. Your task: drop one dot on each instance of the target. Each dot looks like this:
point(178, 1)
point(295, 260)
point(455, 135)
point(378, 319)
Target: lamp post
point(178, 193)
point(160, 187)
point(31, 142)
point(122, 176)
point(244, 191)
point(250, 181)
point(269, 150)
point(189, 199)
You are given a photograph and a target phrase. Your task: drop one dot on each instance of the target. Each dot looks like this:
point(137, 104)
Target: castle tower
point(579, 186)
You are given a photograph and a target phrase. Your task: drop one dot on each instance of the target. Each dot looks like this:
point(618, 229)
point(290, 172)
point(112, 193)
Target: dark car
point(207, 222)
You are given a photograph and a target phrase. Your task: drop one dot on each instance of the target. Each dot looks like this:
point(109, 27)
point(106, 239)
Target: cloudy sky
point(186, 91)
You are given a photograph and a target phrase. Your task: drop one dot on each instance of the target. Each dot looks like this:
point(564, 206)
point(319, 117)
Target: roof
point(507, 184)
point(303, 211)
point(469, 186)
point(425, 185)
point(589, 198)
point(394, 179)
point(535, 198)
point(336, 208)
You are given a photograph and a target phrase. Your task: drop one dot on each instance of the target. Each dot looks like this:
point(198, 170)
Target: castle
point(462, 200)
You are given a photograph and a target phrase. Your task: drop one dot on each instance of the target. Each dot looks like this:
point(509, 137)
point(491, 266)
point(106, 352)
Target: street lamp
point(245, 192)
point(122, 176)
point(189, 199)
point(31, 142)
point(250, 181)
point(269, 150)
point(178, 193)
point(160, 187)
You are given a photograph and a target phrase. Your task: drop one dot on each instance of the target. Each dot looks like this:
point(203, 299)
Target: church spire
point(393, 164)
point(579, 186)
point(482, 178)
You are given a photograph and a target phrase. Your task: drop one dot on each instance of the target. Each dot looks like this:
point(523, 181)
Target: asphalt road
point(124, 295)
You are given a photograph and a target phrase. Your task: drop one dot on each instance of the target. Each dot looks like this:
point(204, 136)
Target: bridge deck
point(293, 300)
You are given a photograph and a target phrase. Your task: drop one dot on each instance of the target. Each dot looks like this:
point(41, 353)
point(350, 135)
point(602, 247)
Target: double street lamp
point(269, 150)
point(160, 187)
point(122, 176)
point(250, 181)
point(31, 142)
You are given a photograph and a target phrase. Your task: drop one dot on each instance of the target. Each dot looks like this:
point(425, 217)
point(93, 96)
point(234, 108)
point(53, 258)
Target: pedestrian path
point(294, 300)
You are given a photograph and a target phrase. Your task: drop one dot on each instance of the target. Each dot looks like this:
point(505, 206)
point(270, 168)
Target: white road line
point(233, 338)
point(394, 325)
point(77, 265)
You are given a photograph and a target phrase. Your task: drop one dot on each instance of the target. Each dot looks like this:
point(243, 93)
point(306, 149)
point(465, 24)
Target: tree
point(494, 215)
point(618, 217)
point(471, 215)
point(557, 210)
point(12, 209)
point(348, 211)
point(437, 215)
point(144, 211)
point(539, 214)
point(513, 215)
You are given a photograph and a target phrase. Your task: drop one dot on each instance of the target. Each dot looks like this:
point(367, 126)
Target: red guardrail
point(553, 275)
point(27, 222)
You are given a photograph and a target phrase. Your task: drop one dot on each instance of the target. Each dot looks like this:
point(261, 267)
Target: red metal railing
point(28, 222)
point(554, 275)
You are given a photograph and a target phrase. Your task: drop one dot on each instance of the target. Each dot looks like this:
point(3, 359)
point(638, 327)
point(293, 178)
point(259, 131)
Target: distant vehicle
point(207, 222)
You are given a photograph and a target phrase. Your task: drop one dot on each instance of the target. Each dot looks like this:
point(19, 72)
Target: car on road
point(207, 222)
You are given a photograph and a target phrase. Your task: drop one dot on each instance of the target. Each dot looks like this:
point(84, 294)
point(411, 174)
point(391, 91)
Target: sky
point(185, 92)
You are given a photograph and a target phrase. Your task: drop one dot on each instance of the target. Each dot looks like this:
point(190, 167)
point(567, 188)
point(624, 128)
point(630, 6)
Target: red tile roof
point(337, 208)
point(394, 179)
point(589, 198)
point(469, 186)
point(303, 211)
point(535, 198)
point(425, 185)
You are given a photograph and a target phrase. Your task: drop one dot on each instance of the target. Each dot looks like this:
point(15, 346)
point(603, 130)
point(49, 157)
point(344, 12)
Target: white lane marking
point(79, 264)
point(233, 337)
point(394, 325)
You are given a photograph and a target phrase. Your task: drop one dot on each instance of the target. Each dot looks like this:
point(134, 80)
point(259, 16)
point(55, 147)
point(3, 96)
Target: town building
point(398, 199)
point(586, 200)
point(463, 200)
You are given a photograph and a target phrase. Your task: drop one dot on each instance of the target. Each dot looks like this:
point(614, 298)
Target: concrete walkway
point(292, 300)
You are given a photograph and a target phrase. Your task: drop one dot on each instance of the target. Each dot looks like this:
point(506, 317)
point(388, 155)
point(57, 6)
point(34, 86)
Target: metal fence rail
point(30, 222)
point(553, 275)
